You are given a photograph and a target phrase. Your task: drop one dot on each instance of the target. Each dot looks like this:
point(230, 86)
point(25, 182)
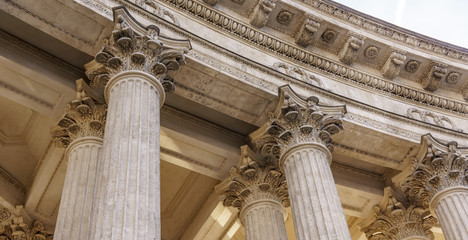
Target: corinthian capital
point(134, 47)
point(437, 167)
point(297, 120)
point(85, 116)
point(254, 179)
point(398, 220)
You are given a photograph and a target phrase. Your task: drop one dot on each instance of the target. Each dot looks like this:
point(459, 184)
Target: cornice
point(389, 31)
point(292, 53)
point(272, 88)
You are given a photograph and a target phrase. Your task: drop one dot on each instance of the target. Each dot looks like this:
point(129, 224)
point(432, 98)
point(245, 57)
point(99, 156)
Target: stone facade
point(234, 119)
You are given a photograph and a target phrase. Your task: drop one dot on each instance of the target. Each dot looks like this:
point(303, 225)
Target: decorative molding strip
point(338, 147)
point(275, 45)
point(432, 118)
point(49, 23)
point(191, 160)
point(202, 123)
point(335, 165)
point(420, 42)
point(5, 175)
point(270, 87)
point(48, 61)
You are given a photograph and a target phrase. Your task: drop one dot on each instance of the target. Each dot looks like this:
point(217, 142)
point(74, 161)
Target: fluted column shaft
point(129, 206)
point(451, 208)
point(74, 218)
point(264, 219)
point(317, 209)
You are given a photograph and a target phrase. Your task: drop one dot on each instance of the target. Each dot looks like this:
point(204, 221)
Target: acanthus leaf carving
point(304, 36)
point(296, 121)
point(432, 80)
point(348, 53)
point(256, 178)
point(84, 116)
point(399, 220)
point(393, 65)
point(260, 14)
point(19, 230)
point(133, 47)
point(438, 167)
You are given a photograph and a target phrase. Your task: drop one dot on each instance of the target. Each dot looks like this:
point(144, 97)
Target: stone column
point(133, 68)
point(298, 134)
point(80, 130)
point(440, 182)
point(398, 220)
point(258, 189)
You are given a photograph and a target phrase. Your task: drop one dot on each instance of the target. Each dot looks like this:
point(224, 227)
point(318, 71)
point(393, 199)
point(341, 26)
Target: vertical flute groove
point(452, 212)
point(130, 196)
point(316, 207)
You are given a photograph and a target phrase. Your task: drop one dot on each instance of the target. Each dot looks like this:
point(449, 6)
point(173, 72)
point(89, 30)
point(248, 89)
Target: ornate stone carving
point(306, 31)
point(349, 51)
point(298, 73)
point(398, 220)
point(432, 81)
point(392, 66)
point(261, 12)
point(159, 11)
point(279, 47)
point(465, 93)
point(329, 36)
point(371, 52)
point(284, 17)
point(255, 179)
point(412, 66)
point(437, 167)
point(453, 77)
point(5, 214)
point(133, 47)
point(85, 116)
point(297, 120)
point(432, 118)
point(19, 230)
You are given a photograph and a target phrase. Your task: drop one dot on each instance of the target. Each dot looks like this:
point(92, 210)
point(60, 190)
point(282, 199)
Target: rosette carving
point(437, 167)
point(398, 221)
point(255, 180)
point(133, 47)
point(84, 117)
point(432, 81)
point(304, 36)
point(261, 12)
point(296, 121)
point(393, 65)
point(348, 53)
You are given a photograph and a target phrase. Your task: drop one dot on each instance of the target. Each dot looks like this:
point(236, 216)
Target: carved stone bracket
point(436, 167)
point(256, 178)
point(392, 66)
point(432, 80)
point(304, 36)
point(297, 120)
point(134, 47)
point(397, 220)
point(465, 93)
point(260, 14)
point(85, 116)
point(348, 53)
